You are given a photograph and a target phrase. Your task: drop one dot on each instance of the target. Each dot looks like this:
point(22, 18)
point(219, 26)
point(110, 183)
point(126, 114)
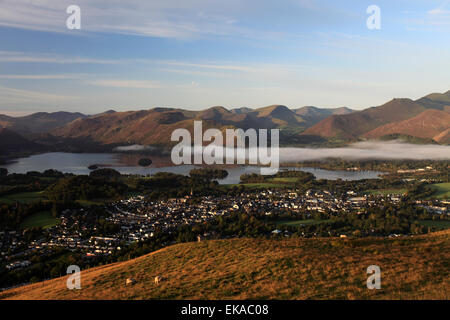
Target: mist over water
point(379, 150)
point(134, 147)
point(387, 150)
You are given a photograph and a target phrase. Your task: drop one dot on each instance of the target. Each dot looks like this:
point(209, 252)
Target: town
point(138, 219)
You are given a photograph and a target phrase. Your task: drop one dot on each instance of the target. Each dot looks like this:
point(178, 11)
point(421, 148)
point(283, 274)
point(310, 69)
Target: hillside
point(279, 115)
point(351, 126)
point(411, 268)
point(440, 101)
point(443, 137)
point(155, 126)
point(428, 124)
point(12, 142)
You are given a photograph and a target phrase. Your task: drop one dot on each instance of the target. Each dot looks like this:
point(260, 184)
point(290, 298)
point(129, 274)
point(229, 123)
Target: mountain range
point(424, 120)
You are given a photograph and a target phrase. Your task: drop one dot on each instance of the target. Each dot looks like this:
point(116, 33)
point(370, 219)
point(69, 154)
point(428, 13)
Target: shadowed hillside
point(11, 141)
point(440, 101)
point(313, 115)
point(411, 268)
point(38, 122)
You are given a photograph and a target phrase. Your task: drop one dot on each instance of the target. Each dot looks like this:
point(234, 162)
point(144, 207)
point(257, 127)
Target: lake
point(78, 163)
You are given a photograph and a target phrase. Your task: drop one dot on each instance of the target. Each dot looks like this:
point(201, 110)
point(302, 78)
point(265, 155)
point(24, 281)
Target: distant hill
point(319, 268)
point(312, 115)
point(428, 124)
point(241, 110)
point(38, 122)
point(279, 115)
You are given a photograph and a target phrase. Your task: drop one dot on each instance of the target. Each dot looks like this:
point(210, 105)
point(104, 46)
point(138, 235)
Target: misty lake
point(78, 163)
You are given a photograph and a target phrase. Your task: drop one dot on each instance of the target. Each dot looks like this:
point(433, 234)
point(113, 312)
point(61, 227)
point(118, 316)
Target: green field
point(296, 223)
point(262, 185)
point(442, 190)
point(270, 183)
point(284, 180)
point(385, 192)
point(439, 224)
point(42, 219)
point(94, 202)
point(25, 197)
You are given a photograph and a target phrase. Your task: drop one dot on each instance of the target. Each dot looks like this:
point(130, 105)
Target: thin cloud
point(213, 66)
point(436, 19)
point(22, 57)
point(18, 96)
point(16, 113)
point(39, 77)
point(171, 19)
point(167, 19)
point(130, 84)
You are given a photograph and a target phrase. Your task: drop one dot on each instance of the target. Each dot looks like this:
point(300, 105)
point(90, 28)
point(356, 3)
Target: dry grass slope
point(412, 268)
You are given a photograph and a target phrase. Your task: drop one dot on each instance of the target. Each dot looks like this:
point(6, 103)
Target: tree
point(145, 162)
point(105, 173)
point(3, 172)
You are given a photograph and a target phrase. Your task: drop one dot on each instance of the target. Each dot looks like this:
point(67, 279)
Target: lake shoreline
point(79, 163)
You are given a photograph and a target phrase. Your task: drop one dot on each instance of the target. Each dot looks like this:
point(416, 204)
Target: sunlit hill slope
point(411, 268)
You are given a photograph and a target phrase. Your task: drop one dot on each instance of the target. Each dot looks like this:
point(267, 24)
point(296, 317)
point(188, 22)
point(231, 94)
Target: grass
point(88, 203)
point(42, 219)
point(442, 190)
point(385, 192)
point(322, 268)
point(288, 180)
point(438, 224)
point(25, 197)
point(296, 223)
point(262, 185)
point(270, 183)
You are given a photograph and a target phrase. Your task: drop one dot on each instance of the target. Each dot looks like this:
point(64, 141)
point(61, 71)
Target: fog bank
point(387, 150)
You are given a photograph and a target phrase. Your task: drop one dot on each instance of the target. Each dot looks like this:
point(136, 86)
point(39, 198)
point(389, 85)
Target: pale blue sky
point(132, 55)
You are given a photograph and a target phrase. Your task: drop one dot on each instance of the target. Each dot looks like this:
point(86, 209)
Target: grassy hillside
point(40, 219)
point(442, 191)
point(23, 197)
point(427, 124)
point(351, 126)
point(412, 268)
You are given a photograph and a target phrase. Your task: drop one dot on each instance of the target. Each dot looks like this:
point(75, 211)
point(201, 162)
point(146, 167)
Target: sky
point(195, 54)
